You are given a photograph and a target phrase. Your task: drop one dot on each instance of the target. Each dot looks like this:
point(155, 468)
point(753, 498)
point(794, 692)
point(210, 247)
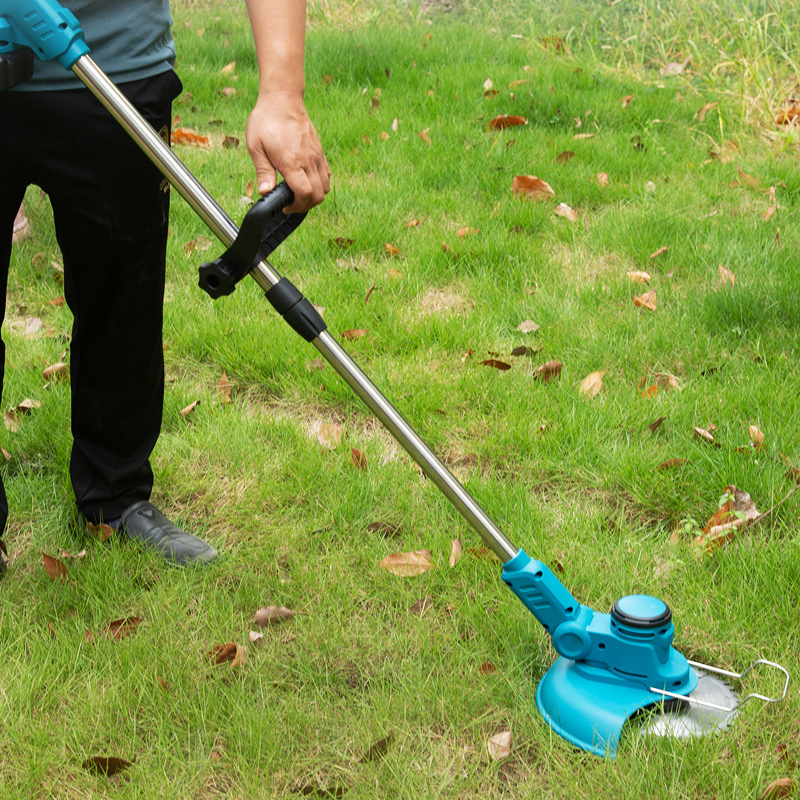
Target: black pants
point(110, 206)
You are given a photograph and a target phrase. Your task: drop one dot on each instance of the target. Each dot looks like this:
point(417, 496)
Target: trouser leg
point(110, 207)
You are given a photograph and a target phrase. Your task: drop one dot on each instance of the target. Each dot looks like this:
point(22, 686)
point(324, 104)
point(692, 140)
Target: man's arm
point(280, 136)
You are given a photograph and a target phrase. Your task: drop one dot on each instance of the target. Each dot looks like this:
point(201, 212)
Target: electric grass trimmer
point(611, 666)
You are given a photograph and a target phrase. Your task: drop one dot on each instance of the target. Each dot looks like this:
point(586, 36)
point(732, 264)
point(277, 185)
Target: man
point(110, 208)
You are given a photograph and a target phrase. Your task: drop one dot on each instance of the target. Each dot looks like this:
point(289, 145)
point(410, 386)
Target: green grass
point(573, 481)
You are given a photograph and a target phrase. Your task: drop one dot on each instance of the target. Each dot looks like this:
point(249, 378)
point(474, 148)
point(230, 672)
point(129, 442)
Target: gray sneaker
point(145, 524)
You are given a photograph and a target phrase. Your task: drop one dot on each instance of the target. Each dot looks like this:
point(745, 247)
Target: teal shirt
point(128, 39)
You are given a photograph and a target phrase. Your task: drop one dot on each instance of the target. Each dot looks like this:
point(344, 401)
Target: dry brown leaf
point(379, 749)
point(189, 137)
point(223, 653)
point(230, 142)
point(456, 551)
point(106, 765)
point(391, 249)
point(735, 513)
point(704, 434)
point(188, 410)
point(57, 301)
point(564, 157)
point(57, 372)
point(602, 179)
point(355, 333)
point(343, 242)
point(198, 245)
point(701, 113)
point(487, 668)
point(527, 326)
point(497, 364)
point(224, 388)
point(627, 100)
point(255, 636)
point(548, 371)
point(650, 391)
point(100, 531)
point(32, 326)
point(506, 121)
point(789, 114)
point(56, 569)
point(585, 136)
point(659, 252)
point(122, 628)
point(592, 384)
point(424, 136)
point(646, 300)
point(672, 463)
point(529, 187)
point(499, 746)
point(726, 276)
point(639, 277)
point(21, 229)
point(655, 424)
point(228, 68)
point(757, 437)
point(415, 223)
point(408, 564)
point(273, 615)
point(462, 232)
point(563, 210)
point(782, 787)
point(421, 606)
point(358, 458)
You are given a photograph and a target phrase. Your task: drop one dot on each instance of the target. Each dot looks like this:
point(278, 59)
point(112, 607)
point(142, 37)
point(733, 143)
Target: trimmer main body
point(611, 666)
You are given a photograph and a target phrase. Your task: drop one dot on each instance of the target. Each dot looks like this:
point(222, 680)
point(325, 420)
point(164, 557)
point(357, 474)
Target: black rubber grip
point(16, 67)
point(289, 302)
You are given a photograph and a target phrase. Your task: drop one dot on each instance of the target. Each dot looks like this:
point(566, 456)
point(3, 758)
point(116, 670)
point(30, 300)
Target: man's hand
point(281, 137)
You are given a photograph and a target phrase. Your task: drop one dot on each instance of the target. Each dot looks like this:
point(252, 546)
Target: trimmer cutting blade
point(698, 714)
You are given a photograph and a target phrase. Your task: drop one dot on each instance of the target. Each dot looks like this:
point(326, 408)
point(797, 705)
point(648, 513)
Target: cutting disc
point(683, 718)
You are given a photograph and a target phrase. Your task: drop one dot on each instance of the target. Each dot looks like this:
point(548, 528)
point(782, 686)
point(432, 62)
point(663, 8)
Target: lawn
point(606, 361)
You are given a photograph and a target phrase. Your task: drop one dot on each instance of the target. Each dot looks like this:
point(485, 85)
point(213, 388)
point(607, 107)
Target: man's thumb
point(266, 178)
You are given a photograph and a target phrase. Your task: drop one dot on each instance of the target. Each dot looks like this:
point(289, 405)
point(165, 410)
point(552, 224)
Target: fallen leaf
point(386, 529)
point(701, 113)
point(704, 435)
point(499, 365)
point(231, 652)
point(737, 510)
point(379, 749)
point(32, 326)
point(659, 252)
point(462, 232)
point(529, 187)
point(392, 249)
point(255, 636)
point(424, 136)
point(421, 606)
point(522, 350)
point(57, 372)
point(224, 388)
point(646, 300)
point(650, 391)
point(672, 463)
point(585, 136)
point(789, 114)
point(655, 424)
point(602, 179)
point(456, 551)
point(355, 333)
point(487, 668)
point(782, 787)
point(499, 746)
point(198, 245)
point(548, 371)
point(506, 121)
point(122, 628)
point(415, 223)
point(273, 615)
point(563, 158)
point(188, 410)
point(66, 554)
point(56, 569)
point(563, 210)
point(528, 326)
point(358, 458)
point(57, 301)
point(21, 229)
point(627, 100)
point(756, 437)
point(592, 384)
point(228, 68)
point(639, 277)
point(100, 531)
point(343, 242)
point(189, 137)
point(726, 276)
point(106, 765)
point(408, 564)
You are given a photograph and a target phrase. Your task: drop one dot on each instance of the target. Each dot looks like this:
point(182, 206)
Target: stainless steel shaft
point(266, 277)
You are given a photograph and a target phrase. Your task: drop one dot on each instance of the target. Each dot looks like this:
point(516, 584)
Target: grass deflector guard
point(611, 666)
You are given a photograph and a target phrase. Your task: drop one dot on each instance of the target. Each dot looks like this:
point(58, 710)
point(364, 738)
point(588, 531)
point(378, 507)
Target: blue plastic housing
point(49, 29)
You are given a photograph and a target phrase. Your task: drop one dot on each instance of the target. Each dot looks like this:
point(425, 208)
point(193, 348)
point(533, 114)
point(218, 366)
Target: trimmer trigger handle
point(263, 228)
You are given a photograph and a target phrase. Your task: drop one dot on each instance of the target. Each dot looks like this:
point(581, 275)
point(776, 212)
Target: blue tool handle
point(45, 26)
